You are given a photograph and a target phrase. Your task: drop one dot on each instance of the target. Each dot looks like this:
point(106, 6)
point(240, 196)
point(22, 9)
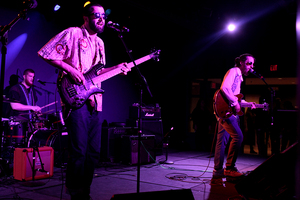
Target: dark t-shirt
point(24, 96)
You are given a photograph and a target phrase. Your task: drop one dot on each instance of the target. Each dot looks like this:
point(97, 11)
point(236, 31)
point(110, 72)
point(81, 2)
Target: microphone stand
point(47, 91)
point(140, 108)
point(272, 91)
point(4, 40)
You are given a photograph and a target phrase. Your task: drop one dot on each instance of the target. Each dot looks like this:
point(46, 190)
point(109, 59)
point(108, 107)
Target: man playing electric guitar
point(229, 127)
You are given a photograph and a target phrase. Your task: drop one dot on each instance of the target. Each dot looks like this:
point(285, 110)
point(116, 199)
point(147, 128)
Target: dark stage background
point(190, 35)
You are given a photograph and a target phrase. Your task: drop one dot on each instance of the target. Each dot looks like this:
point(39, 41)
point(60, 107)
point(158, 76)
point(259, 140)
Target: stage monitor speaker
point(23, 162)
point(273, 179)
point(185, 194)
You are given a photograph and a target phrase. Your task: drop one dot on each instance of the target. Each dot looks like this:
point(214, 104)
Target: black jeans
point(84, 130)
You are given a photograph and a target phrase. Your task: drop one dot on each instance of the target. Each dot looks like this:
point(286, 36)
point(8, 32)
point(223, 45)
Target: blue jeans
point(228, 128)
point(84, 131)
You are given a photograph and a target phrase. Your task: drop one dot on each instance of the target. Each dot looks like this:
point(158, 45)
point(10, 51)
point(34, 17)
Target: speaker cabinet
point(23, 162)
point(273, 179)
point(185, 194)
point(111, 142)
point(151, 127)
point(129, 154)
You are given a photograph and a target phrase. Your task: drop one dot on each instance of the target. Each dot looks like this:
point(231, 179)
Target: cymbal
point(5, 119)
point(19, 119)
point(7, 100)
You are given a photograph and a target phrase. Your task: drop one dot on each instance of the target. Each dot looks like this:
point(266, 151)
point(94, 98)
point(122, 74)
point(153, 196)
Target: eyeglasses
point(249, 63)
point(98, 15)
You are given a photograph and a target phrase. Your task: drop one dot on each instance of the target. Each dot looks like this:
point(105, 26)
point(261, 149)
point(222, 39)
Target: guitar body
point(75, 95)
point(221, 105)
point(223, 109)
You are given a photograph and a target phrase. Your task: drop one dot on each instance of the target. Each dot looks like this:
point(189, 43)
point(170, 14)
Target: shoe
point(232, 172)
point(218, 173)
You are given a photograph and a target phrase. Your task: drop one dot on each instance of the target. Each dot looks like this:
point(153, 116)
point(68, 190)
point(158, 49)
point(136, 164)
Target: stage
point(190, 172)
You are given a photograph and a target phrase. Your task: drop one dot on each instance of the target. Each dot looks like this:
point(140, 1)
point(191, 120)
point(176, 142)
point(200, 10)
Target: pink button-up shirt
point(231, 85)
point(77, 48)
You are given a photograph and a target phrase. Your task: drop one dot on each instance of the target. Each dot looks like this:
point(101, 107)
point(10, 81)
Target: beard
point(95, 28)
point(28, 82)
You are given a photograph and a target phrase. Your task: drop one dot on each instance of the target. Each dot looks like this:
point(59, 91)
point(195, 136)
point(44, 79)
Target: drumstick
point(49, 104)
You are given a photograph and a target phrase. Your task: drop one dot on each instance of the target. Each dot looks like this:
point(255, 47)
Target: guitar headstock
point(155, 54)
point(266, 106)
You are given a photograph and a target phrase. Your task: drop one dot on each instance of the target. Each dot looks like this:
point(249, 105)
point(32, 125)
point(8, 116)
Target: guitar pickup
point(71, 91)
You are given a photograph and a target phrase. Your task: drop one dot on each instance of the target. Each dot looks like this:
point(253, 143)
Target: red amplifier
point(23, 162)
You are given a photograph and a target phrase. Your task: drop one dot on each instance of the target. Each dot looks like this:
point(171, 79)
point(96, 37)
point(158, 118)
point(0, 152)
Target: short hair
point(87, 8)
point(242, 57)
point(28, 71)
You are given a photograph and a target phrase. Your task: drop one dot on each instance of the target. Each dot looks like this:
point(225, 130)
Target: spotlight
point(56, 7)
point(231, 27)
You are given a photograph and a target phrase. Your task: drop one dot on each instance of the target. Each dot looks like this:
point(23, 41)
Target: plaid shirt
point(75, 47)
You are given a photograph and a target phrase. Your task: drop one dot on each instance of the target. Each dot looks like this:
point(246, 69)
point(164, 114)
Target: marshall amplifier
point(146, 112)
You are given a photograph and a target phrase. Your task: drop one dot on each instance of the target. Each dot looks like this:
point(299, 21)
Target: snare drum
point(58, 140)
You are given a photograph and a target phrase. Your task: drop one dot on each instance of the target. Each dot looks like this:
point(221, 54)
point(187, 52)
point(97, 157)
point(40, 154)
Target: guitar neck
point(256, 105)
point(117, 70)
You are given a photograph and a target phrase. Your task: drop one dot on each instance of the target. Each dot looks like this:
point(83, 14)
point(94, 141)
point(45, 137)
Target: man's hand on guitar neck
point(122, 66)
point(237, 107)
point(253, 105)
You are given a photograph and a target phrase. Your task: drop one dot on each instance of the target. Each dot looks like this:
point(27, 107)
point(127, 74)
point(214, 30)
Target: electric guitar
point(223, 110)
point(75, 95)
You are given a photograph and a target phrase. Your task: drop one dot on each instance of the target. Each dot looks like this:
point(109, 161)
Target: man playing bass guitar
point(74, 51)
point(229, 127)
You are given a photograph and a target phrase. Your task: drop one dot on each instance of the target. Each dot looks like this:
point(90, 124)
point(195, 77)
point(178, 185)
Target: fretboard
point(117, 70)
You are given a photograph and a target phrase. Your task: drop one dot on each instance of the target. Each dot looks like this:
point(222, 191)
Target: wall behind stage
point(24, 40)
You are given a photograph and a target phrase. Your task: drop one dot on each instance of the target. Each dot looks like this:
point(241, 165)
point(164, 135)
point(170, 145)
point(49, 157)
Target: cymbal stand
point(27, 4)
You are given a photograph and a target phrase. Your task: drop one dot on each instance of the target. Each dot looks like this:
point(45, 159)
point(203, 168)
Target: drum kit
point(44, 129)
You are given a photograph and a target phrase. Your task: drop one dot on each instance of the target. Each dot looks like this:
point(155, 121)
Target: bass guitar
point(223, 109)
point(75, 95)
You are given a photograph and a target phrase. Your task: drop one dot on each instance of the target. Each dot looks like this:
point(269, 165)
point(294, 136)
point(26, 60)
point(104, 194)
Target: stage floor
point(191, 171)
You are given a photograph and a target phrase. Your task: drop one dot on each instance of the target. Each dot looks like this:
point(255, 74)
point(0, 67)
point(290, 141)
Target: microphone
point(256, 74)
point(252, 71)
point(117, 27)
point(41, 82)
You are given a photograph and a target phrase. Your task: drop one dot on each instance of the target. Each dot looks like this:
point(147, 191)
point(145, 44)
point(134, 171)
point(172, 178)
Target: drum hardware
point(56, 139)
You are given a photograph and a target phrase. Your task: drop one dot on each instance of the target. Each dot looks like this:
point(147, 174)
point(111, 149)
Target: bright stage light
point(56, 7)
point(231, 27)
